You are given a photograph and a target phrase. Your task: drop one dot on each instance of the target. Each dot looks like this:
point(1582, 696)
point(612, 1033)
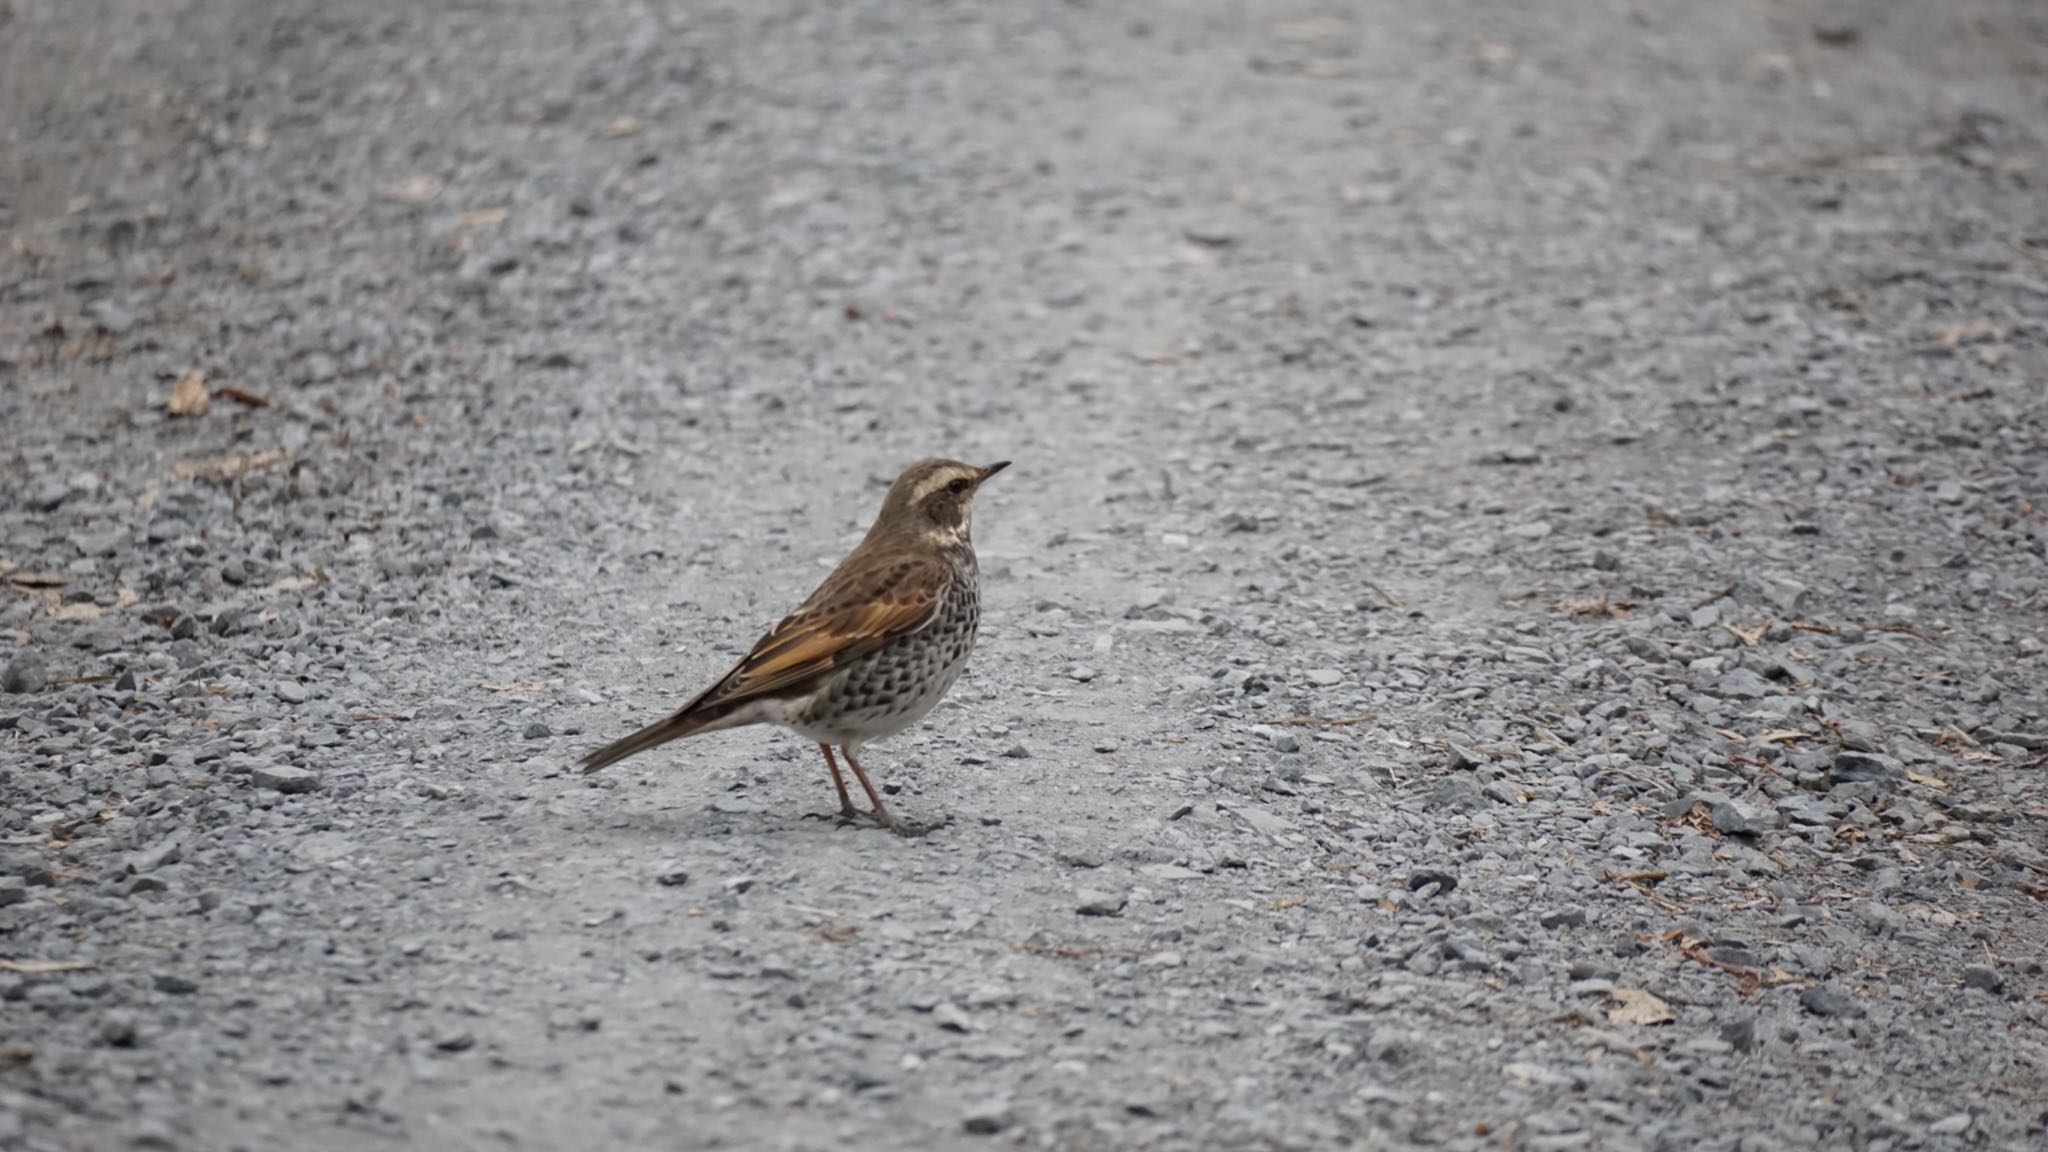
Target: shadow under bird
point(873, 649)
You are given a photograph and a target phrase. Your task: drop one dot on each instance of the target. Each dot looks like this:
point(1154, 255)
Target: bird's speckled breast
point(891, 689)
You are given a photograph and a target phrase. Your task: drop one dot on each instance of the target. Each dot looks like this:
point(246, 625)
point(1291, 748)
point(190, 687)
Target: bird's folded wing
point(851, 615)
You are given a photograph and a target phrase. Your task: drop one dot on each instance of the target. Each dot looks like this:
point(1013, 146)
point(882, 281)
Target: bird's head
point(934, 499)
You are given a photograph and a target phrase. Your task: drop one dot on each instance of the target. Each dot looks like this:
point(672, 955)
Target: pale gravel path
point(592, 332)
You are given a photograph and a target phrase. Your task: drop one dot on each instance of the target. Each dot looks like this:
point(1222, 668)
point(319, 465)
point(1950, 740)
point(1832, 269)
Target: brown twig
point(1327, 721)
point(1703, 601)
point(1389, 597)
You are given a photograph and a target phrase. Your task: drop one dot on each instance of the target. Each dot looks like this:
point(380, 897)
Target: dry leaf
point(1783, 735)
point(414, 189)
point(243, 396)
point(228, 467)
point(83, 610)
point(483, 218)
point(1969, 332)
point(1635, 1006)
point(520, 686)
point(38, 579)
point(1493, 56)
point(1928, 781)
point(623, 127)
point(190, 397)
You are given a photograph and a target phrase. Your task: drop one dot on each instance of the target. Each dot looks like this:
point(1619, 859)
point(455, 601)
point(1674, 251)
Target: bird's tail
point(691, 720)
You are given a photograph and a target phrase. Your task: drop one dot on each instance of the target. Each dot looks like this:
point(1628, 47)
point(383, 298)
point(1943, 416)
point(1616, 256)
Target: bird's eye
point(958, 486)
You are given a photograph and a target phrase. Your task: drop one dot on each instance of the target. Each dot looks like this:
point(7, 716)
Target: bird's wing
point(857, 610)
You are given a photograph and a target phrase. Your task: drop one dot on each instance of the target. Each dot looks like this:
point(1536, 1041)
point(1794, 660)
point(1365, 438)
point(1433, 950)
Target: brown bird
point(872, 650)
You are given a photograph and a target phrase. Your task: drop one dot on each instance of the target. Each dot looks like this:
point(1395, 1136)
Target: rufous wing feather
point(851, 615)
point(858, 609)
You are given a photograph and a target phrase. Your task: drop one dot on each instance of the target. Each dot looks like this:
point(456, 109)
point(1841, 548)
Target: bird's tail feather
point(688, 722)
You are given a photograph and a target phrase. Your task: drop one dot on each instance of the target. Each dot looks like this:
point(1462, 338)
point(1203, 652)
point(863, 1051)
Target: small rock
point(1861, 736)
point(1563, 918)
point(117, 1030)
point(1095, 902)
point(1983, 978)
point(1649, 649)
point(1424, 877)
point(456, 1042)
point(1731, 819)
point(1017, 752)
point(1081, 673)
point(1325, 677)
point(125, 682)
point(13, 890)
point(671, 874)
point(952, 1017)
point(1954, 1125)
point(1464, 759)
point(110, 317)
point(285, 778)
point(1861, 767)
point(1166, 959)
point(175, 985)
point(290, 691)
point(1743, 684)
point(1457, 792)
point(24, 673)
point(1740, 1033)
point(988, 1118)
point(1826, 1002)
point(537, 731)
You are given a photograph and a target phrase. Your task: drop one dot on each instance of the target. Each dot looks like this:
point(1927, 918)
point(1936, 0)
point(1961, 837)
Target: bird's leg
point(874, 797)
point(846, 809)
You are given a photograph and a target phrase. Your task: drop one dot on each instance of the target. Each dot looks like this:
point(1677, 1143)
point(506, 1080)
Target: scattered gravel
point(1517, 620)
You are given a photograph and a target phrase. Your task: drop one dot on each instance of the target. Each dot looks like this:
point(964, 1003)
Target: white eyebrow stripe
point(933, 483)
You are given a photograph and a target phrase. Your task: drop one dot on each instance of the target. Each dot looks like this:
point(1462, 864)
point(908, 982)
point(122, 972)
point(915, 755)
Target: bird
point(872, 650)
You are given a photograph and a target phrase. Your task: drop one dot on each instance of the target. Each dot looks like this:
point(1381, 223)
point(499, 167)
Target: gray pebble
point(118, 1029)
point(1983, 978)
point(1954, 1125)
point(175, 984)
point(989, 1118)
point(284, 778)
point(290, 691)
point(24, 673)
point(1827, 1002)
point(1732, 819)
point(1095, 902)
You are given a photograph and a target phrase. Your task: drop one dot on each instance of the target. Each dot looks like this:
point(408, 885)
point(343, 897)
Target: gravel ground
point(1517, 622)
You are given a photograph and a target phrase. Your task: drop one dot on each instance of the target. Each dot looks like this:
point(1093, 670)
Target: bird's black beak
point(991, 470)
